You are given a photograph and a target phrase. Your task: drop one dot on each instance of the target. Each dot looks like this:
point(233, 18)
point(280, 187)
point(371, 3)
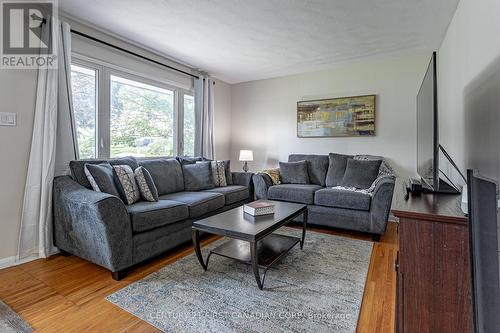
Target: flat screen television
point(427, 128)
point(428, 146)
point(482, 202)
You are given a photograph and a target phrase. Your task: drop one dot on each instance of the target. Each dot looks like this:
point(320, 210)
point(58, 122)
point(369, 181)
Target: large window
point(84, 89)
point(118, 113)
point(142, 119)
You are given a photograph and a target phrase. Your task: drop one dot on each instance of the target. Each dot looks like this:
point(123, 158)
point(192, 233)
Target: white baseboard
point(11, 261)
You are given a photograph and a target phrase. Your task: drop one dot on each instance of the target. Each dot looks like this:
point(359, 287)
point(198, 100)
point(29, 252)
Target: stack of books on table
point(257, 208)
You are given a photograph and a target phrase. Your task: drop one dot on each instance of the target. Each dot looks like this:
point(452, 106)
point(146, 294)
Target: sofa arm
point(261, 182)
point(91, 225)
point(244, 179)
point(381, 205)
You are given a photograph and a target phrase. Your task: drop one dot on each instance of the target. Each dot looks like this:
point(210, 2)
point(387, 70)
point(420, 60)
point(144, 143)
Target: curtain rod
point(133, 53)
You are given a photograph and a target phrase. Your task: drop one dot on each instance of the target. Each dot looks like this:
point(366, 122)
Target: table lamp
point(245, 156)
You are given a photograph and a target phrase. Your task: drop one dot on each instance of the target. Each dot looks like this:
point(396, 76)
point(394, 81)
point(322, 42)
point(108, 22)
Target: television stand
point(432, 265)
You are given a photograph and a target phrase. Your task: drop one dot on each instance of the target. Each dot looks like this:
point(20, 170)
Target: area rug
point(11, 322)
point(317, 289)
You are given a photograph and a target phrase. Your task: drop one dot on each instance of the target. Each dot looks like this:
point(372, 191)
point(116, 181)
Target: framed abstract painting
point(336, 117)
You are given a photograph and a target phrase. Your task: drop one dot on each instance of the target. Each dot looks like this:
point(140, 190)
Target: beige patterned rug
point(317, 289)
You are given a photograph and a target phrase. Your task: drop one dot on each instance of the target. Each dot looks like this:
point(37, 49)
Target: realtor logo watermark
point(27, 34)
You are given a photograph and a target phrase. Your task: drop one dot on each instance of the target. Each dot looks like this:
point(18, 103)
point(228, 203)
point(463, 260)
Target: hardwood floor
point(66, 294)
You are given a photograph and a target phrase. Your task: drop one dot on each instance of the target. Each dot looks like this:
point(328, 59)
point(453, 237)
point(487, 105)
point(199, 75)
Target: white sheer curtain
point(204, 117)
point(53, 145)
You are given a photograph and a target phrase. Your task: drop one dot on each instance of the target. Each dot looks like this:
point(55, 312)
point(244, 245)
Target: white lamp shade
point(246, 155)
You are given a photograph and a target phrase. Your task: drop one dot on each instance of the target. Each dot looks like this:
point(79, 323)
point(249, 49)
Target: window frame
point(104, 72)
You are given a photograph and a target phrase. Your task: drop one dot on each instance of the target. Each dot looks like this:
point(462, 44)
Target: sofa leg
point(375, 237)
point(118, 275)
point(64, 253)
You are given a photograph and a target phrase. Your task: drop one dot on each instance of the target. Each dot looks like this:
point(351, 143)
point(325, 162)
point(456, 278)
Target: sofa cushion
point(227, 170)
point(300, 193)
point(146, 184)
point(274, 174)
point(190, 160)
point(78, 167)
point(232, 193)
point(149, 215)
point(360, 173)
point(198, 176)
point(101, 178)
point(166, 173)
point(199, 203)
point(126, 184)
point(294, 172)
point(332, 197)
point(317, 166)
point(218, 173)
point(337, 164)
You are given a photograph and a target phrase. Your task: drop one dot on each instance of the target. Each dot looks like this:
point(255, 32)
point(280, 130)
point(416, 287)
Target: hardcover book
point(259, 208)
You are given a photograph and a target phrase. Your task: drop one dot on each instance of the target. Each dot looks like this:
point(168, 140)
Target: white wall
point(264, 113)
point(469, 87)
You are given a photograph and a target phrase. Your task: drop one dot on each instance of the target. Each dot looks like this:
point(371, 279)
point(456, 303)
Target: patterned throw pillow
point(146, 184)
point(274, 174)
point(127, 186)
point(219, 173)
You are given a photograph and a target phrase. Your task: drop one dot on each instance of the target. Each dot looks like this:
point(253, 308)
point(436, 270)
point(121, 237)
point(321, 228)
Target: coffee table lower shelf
point(261, 254)
point(269, 250)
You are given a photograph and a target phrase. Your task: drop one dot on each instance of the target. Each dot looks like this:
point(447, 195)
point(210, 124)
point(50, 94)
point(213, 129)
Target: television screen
point(427, 135)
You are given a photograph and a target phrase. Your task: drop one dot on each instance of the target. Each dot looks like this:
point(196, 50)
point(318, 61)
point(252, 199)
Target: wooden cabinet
point(433, 270)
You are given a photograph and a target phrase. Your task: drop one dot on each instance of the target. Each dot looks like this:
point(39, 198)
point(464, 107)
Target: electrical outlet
point(8, 119)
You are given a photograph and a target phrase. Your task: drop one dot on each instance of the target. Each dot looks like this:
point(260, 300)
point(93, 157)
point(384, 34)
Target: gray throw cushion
point(332, 197)
point(146, 184)
point(360, 174)
point(166, 174)
point(101, 178)
point(198, 176)
point(127, 186)
point(227, 170)
point(317, 166)
point(78, 167)
point(294, 172)
point(199, 203)
point(149, 215)
point(232, 193)
point(300, 193)
point(190, 160)
point(337, 164)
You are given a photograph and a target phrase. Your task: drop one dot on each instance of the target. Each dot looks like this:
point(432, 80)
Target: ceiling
point(245, 40)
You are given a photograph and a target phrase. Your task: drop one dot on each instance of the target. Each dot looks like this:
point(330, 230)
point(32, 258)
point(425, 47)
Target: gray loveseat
point(365, 211)
point(100, 228)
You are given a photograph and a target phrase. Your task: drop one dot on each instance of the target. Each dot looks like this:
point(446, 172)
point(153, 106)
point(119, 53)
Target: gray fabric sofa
point(100, 228)
point(330, 206)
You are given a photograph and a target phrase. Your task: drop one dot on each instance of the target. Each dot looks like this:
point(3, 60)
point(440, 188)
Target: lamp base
point(245, 166)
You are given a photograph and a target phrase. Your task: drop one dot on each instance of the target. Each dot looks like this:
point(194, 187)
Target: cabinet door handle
point(396, 262)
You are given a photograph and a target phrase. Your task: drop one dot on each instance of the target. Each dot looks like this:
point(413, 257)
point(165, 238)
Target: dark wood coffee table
point(252, 239)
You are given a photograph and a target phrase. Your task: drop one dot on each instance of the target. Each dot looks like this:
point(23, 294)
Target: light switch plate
point(8, 119)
